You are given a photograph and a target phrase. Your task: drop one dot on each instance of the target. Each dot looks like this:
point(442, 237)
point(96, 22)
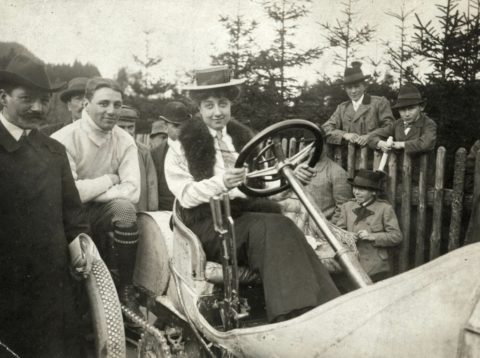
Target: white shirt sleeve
point(190, 193)
point(129, 174)
point(88, 189)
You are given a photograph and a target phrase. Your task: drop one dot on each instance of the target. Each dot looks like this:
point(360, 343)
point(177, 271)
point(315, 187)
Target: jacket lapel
point(416, 128)
point(364, 107)
point(6, 139)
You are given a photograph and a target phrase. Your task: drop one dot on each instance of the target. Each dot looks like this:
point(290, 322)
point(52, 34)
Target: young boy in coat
point(414, 131)
point(373, 220)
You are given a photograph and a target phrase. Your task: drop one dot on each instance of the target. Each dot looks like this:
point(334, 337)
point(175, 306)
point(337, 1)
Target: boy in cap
point(175, 114)
point(414, 132)
point(148, 177)
point(355, 119)
point(159, 133)
point(373, 220)
point(200, 164)
point(40, 216)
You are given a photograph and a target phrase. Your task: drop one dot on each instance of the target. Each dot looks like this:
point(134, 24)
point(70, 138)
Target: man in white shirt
point(104, 163)
point(199, 165)
point(355, 119)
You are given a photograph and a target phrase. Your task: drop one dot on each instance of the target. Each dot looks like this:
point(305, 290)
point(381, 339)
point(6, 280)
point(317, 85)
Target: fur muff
point(199, 148)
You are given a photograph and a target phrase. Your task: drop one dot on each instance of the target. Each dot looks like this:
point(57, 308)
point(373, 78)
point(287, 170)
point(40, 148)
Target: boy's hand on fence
point(398, 145)
point(350, 137)
point(362, 140)
point(384, 146)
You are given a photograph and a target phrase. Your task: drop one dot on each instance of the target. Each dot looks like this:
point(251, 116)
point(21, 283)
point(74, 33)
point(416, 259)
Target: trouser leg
point(293, 277)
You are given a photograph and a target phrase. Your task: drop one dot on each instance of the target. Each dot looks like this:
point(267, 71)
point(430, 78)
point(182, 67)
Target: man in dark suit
point(40, 215)
point(175, 114)
point(355, 119)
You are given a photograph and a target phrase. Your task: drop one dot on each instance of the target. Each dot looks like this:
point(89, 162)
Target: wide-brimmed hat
point(354, 74)
point(408, 95)
point(26, 71)
point(159, 127)
point(176, 112)
point(368, 179)
point(211, 78)
point(75, 87)
point(128, 114)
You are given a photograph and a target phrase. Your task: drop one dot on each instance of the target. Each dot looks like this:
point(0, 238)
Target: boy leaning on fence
point(414, 132)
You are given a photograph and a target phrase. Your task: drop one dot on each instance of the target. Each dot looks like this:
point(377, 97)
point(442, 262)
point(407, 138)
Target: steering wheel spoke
point(274, 148)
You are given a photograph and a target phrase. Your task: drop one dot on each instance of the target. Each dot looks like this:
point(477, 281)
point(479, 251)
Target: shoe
point(128, 299)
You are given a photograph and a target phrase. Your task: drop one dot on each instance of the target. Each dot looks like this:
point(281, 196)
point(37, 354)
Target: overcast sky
point(185, 33)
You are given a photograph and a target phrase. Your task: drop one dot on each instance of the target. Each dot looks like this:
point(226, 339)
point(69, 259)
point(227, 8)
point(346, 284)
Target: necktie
point(23, 137)
point(362, 212)
point(227, 155)
point(407, 127)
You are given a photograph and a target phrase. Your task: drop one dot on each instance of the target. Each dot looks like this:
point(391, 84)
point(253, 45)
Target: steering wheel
point(270, 151)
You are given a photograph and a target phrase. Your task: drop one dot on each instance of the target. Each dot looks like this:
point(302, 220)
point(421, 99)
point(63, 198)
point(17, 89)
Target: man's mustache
point(35, 115)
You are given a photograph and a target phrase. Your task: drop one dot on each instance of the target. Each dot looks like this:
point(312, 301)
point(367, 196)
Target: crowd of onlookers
point(92, 176)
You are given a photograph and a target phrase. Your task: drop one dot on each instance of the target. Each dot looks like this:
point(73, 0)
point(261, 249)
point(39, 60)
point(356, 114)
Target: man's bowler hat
point(354, 74)
point(368, 179)
point(75, 87)
point(408, 95)
point(25, 71)
point(176, 112)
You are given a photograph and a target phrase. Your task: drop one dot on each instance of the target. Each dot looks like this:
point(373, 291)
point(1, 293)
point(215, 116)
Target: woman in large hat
point(373, 220)
point(356, 118)
point(200, 165)
point(414, 132)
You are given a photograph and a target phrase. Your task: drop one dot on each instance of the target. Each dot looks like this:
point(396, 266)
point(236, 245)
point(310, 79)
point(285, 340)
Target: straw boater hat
point(75, 87)
point(367, 179)
point(23, 70)
point(213, 77)
point(408, 95)
point(354, 74)
point(176, 112)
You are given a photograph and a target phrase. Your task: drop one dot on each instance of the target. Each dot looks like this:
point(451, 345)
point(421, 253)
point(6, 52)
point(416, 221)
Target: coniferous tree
point(272, 64)
point(346, 36)
point(401, 55)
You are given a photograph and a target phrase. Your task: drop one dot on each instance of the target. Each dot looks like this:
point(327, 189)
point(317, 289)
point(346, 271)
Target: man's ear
point(3, 97)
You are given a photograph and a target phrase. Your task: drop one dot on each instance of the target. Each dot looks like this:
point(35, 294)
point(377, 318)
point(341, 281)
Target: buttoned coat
point(40, 213)
point(421, 137)
point(382, 225)
point(374, 112)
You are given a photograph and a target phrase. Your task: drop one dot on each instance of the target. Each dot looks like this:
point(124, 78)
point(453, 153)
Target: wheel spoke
point(262, 172)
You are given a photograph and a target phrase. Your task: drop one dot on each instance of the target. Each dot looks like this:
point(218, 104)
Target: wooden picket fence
point(433, 218)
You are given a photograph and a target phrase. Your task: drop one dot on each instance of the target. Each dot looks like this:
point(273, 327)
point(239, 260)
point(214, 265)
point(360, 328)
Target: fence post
point(470, 235)
point(363, 158)
point(377, 156)
point(421, 212)
point(337, 155)
point(405, 212)
point(437, 204)
point(457, 199)
point(392, 173)
point(351, 155)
